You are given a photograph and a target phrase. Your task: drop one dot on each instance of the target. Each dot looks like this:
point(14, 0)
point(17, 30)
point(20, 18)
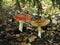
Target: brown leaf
point(28, 44)
point(23, 43)
point(32, 38)
point(17, 35)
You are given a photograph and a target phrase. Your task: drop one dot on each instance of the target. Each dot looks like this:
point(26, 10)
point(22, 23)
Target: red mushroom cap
point(22, 16)
point(41, 22)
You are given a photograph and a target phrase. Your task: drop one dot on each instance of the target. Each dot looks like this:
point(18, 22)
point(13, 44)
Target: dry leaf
point(32, 38)
point(17, 35)
point(23, 43)
point(28, 44)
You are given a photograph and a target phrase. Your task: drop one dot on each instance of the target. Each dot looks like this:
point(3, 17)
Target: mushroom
point(39, 24)
point(22, 18)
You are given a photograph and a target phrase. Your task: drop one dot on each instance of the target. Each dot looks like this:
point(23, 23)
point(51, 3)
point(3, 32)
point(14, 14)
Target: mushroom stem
point(39, 32)
point(20, 26)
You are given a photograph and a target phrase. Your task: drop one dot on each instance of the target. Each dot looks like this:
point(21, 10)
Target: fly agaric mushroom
point(39, 24)
point(22, 18)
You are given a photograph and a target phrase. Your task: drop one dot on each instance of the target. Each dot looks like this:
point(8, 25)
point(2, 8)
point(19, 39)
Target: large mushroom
point(39, 24)
point(22, 18)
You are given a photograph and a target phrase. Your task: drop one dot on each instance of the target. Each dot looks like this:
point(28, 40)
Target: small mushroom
point(39, 24)
point(22, 18)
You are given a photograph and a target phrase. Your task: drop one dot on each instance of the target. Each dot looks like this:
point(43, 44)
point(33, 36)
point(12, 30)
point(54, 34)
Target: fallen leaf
point(32, 38)
point(17, 35)
point(28, 44)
